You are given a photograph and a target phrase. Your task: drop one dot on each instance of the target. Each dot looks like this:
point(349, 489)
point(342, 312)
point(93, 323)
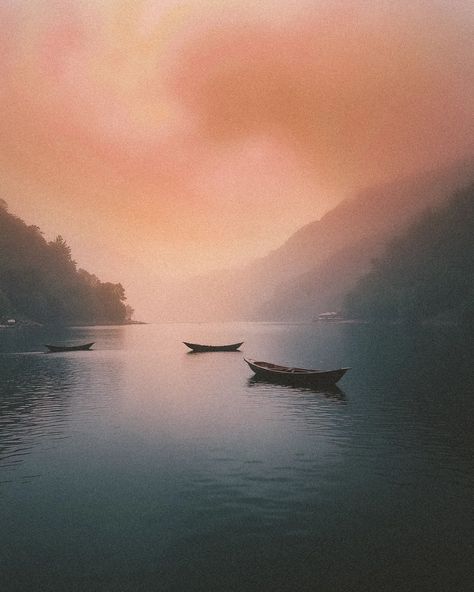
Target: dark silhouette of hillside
point(427, 273)
point(40, 281)
point(318, 265)
point(353, 234)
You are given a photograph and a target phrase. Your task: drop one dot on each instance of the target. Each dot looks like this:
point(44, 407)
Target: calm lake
point(140, 467)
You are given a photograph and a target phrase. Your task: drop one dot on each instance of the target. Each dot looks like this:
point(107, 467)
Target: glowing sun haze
point(166, 137)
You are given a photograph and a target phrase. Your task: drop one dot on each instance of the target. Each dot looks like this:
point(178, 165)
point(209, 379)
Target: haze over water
point(138, 466)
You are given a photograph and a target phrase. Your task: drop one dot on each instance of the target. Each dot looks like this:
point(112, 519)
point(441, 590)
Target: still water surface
point(140, 467)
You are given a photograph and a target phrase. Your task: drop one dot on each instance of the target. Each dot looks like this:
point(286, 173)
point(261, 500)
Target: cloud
point(359, 90)
point(150, 91)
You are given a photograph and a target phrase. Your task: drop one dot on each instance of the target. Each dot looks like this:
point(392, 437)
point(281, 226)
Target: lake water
point(140, 467)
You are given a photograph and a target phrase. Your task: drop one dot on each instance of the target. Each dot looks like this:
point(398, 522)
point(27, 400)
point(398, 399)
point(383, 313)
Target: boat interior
point(284, 368)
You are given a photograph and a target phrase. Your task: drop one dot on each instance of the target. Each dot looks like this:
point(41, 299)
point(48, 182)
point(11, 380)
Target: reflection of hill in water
point(419, 378)
point(32, 339)
point(35, 399)
point(424, 357)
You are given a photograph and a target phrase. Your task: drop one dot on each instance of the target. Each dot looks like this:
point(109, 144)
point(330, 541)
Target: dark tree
point(39, 280)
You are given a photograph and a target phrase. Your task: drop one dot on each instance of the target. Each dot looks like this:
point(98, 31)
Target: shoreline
point(34, 324)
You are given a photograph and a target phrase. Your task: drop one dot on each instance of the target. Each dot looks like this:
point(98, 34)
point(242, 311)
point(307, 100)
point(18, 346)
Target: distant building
point(329, 316)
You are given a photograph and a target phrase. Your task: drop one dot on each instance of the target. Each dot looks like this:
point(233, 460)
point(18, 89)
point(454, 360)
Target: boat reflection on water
point(328, 391)
point(227, 351)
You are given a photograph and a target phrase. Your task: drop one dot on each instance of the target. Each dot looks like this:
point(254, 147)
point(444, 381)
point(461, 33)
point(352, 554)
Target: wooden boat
point(68, 348)
point(291, 375)
point(196, 347)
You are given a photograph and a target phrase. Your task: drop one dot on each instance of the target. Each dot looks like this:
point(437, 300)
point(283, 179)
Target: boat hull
point(296, 376)
point(68, 348)
point(196, 347)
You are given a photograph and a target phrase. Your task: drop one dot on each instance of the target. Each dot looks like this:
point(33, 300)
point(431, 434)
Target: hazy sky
point(167, 137)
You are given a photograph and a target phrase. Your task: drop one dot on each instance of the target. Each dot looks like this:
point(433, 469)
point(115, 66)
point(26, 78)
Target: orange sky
point(166, 137)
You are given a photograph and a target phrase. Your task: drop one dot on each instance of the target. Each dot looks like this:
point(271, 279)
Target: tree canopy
point(426, 273)
point(40, 281)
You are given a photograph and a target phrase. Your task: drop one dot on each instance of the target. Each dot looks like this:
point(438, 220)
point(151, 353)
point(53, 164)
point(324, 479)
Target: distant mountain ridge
point(318, 264)
point(365, 224)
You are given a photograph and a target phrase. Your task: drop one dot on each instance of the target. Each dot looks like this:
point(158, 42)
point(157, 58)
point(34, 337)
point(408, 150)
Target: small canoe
point(67, 348)
point(291, 375)
point(196, 347)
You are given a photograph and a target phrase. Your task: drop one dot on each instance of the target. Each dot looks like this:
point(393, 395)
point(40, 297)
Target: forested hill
point(427, 273)
point(39, 280)
point(315, 268)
